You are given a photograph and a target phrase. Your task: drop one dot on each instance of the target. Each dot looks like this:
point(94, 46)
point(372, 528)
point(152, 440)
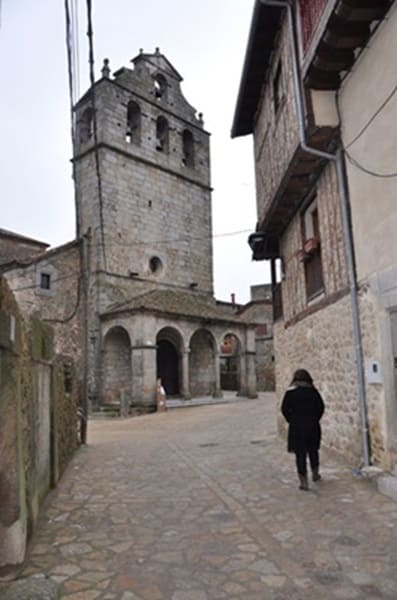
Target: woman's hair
point(302, 375)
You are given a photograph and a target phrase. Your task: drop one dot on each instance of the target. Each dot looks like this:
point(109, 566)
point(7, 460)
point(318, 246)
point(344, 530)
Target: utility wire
point(185, 239)
point(165, 241)
point(95, 127)
point(37, 285)
point(353, 161)
point(372, 119)
point(76, 51)
point(359, 166)
point(74, 311)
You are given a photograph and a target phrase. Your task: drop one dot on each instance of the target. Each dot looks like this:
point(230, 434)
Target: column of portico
point(185, 374)
point(143, 368)
point(218, 390)
point(243, 375)
point(251, 374)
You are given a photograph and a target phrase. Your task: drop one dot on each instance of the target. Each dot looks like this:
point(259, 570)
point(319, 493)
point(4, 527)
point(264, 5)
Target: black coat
point(303, 408)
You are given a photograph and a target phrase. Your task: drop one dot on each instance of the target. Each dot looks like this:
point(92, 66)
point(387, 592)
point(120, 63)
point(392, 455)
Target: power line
point(74, 311)
point(95, 126)
point(368, 171)
point(372, 119)
point(353, 161)
point(37, 285)
point(185, 239)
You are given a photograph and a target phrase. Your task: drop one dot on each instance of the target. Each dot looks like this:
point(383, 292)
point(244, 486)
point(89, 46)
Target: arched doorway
point(202, 364)
point(117, 373)
point(169, 360)
point(230, 363)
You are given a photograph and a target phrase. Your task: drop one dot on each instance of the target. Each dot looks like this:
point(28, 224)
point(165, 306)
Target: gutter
point(338, 159)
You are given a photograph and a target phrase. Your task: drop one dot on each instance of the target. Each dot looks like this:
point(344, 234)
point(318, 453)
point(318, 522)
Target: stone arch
point(202, 373)
point(187, 148)
point(169, 359)
point(230, 350)
point(116, 366)
point(133, 134)
point(162, 134)
point(160, 86)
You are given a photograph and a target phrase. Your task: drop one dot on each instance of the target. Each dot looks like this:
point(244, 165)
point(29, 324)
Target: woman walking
point(303, 408)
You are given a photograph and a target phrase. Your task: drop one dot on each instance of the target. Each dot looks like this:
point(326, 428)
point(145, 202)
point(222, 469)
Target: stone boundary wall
point(38, 425)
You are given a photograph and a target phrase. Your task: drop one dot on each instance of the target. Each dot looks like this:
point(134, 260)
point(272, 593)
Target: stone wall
point(61, 304)
point(335, 278)
point(276, 132)
point(322, 342)
point(261, 313)
point(38, 428)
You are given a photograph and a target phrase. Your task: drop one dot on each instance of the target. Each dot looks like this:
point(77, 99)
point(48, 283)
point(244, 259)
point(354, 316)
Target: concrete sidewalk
point(203, 504)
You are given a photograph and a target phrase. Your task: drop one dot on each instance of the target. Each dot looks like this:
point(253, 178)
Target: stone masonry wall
point(332, 250)
point(36, 439)
point(323, 343)
point(61, 303)
point(276, 132)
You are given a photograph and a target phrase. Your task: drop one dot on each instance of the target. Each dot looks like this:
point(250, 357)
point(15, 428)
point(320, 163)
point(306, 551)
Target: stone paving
point(202, 503)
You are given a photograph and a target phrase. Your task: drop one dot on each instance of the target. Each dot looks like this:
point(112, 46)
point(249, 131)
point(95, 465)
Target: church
point(131, 298)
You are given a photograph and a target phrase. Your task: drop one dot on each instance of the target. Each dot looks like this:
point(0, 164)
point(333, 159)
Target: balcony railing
point(311, 11)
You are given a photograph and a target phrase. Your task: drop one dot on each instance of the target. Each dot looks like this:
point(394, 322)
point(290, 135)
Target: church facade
point(132, 296)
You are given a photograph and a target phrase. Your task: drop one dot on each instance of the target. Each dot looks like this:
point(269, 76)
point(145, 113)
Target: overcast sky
point(206, 44)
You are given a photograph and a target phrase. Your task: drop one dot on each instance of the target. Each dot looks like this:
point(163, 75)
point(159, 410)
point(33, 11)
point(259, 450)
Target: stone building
point(259, 310)
point(133, 294)
point(317, 94)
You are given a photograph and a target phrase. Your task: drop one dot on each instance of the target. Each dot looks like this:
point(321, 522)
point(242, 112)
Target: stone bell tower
point(143, 198)
point(143, 181)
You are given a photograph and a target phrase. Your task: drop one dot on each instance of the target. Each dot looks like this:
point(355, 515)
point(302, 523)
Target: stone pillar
point(185, 375)
point(243, 375)
point(250, 367)
point(144, 380)
point(251, 374)
point(218, 390)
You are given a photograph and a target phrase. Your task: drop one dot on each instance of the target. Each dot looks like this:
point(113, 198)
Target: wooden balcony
point(298, 179)
point(332, 32)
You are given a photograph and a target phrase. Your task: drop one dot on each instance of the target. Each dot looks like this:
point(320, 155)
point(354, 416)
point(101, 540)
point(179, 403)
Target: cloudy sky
point(204, 41)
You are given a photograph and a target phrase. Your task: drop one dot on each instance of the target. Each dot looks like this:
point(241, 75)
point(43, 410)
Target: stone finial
point(201, 118)
point(157, 50)
point(105, 69)
point(140, 50)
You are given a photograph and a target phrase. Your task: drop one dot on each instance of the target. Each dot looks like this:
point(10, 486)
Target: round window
point(155, 265)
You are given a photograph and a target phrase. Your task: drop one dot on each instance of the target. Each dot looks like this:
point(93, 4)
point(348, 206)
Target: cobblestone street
point(202, 503)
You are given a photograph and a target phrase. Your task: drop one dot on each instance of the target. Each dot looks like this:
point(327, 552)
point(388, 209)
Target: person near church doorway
point(302, 408)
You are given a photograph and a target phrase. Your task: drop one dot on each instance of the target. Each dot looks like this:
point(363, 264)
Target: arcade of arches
point(193, 364)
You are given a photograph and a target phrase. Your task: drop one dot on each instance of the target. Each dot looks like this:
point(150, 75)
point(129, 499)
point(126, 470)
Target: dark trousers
point(301, 464)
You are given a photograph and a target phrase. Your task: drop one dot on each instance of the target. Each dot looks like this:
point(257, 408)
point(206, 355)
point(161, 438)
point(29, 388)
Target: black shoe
point(316, 475)
point(304, 484)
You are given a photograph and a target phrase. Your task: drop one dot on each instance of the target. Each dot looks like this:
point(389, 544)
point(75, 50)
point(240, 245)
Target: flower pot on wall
point(311, 245)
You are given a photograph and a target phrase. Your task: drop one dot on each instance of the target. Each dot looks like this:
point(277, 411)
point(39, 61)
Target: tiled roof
point(175, 303)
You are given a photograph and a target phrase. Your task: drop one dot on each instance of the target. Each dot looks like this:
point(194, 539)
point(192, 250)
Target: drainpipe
point(338, 159)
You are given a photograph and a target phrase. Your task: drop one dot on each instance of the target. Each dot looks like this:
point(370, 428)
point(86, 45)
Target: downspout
point(338, 159)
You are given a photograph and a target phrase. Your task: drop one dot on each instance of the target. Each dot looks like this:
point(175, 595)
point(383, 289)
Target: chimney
point(233, 299)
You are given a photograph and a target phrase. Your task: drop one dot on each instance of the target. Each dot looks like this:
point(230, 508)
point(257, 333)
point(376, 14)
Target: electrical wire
point(372, 119)
point(95, 127)
point(37, 285)
point(353, 161)
point(74, 311)
point(359, 166)
point(186, 239)
point(76, 49)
